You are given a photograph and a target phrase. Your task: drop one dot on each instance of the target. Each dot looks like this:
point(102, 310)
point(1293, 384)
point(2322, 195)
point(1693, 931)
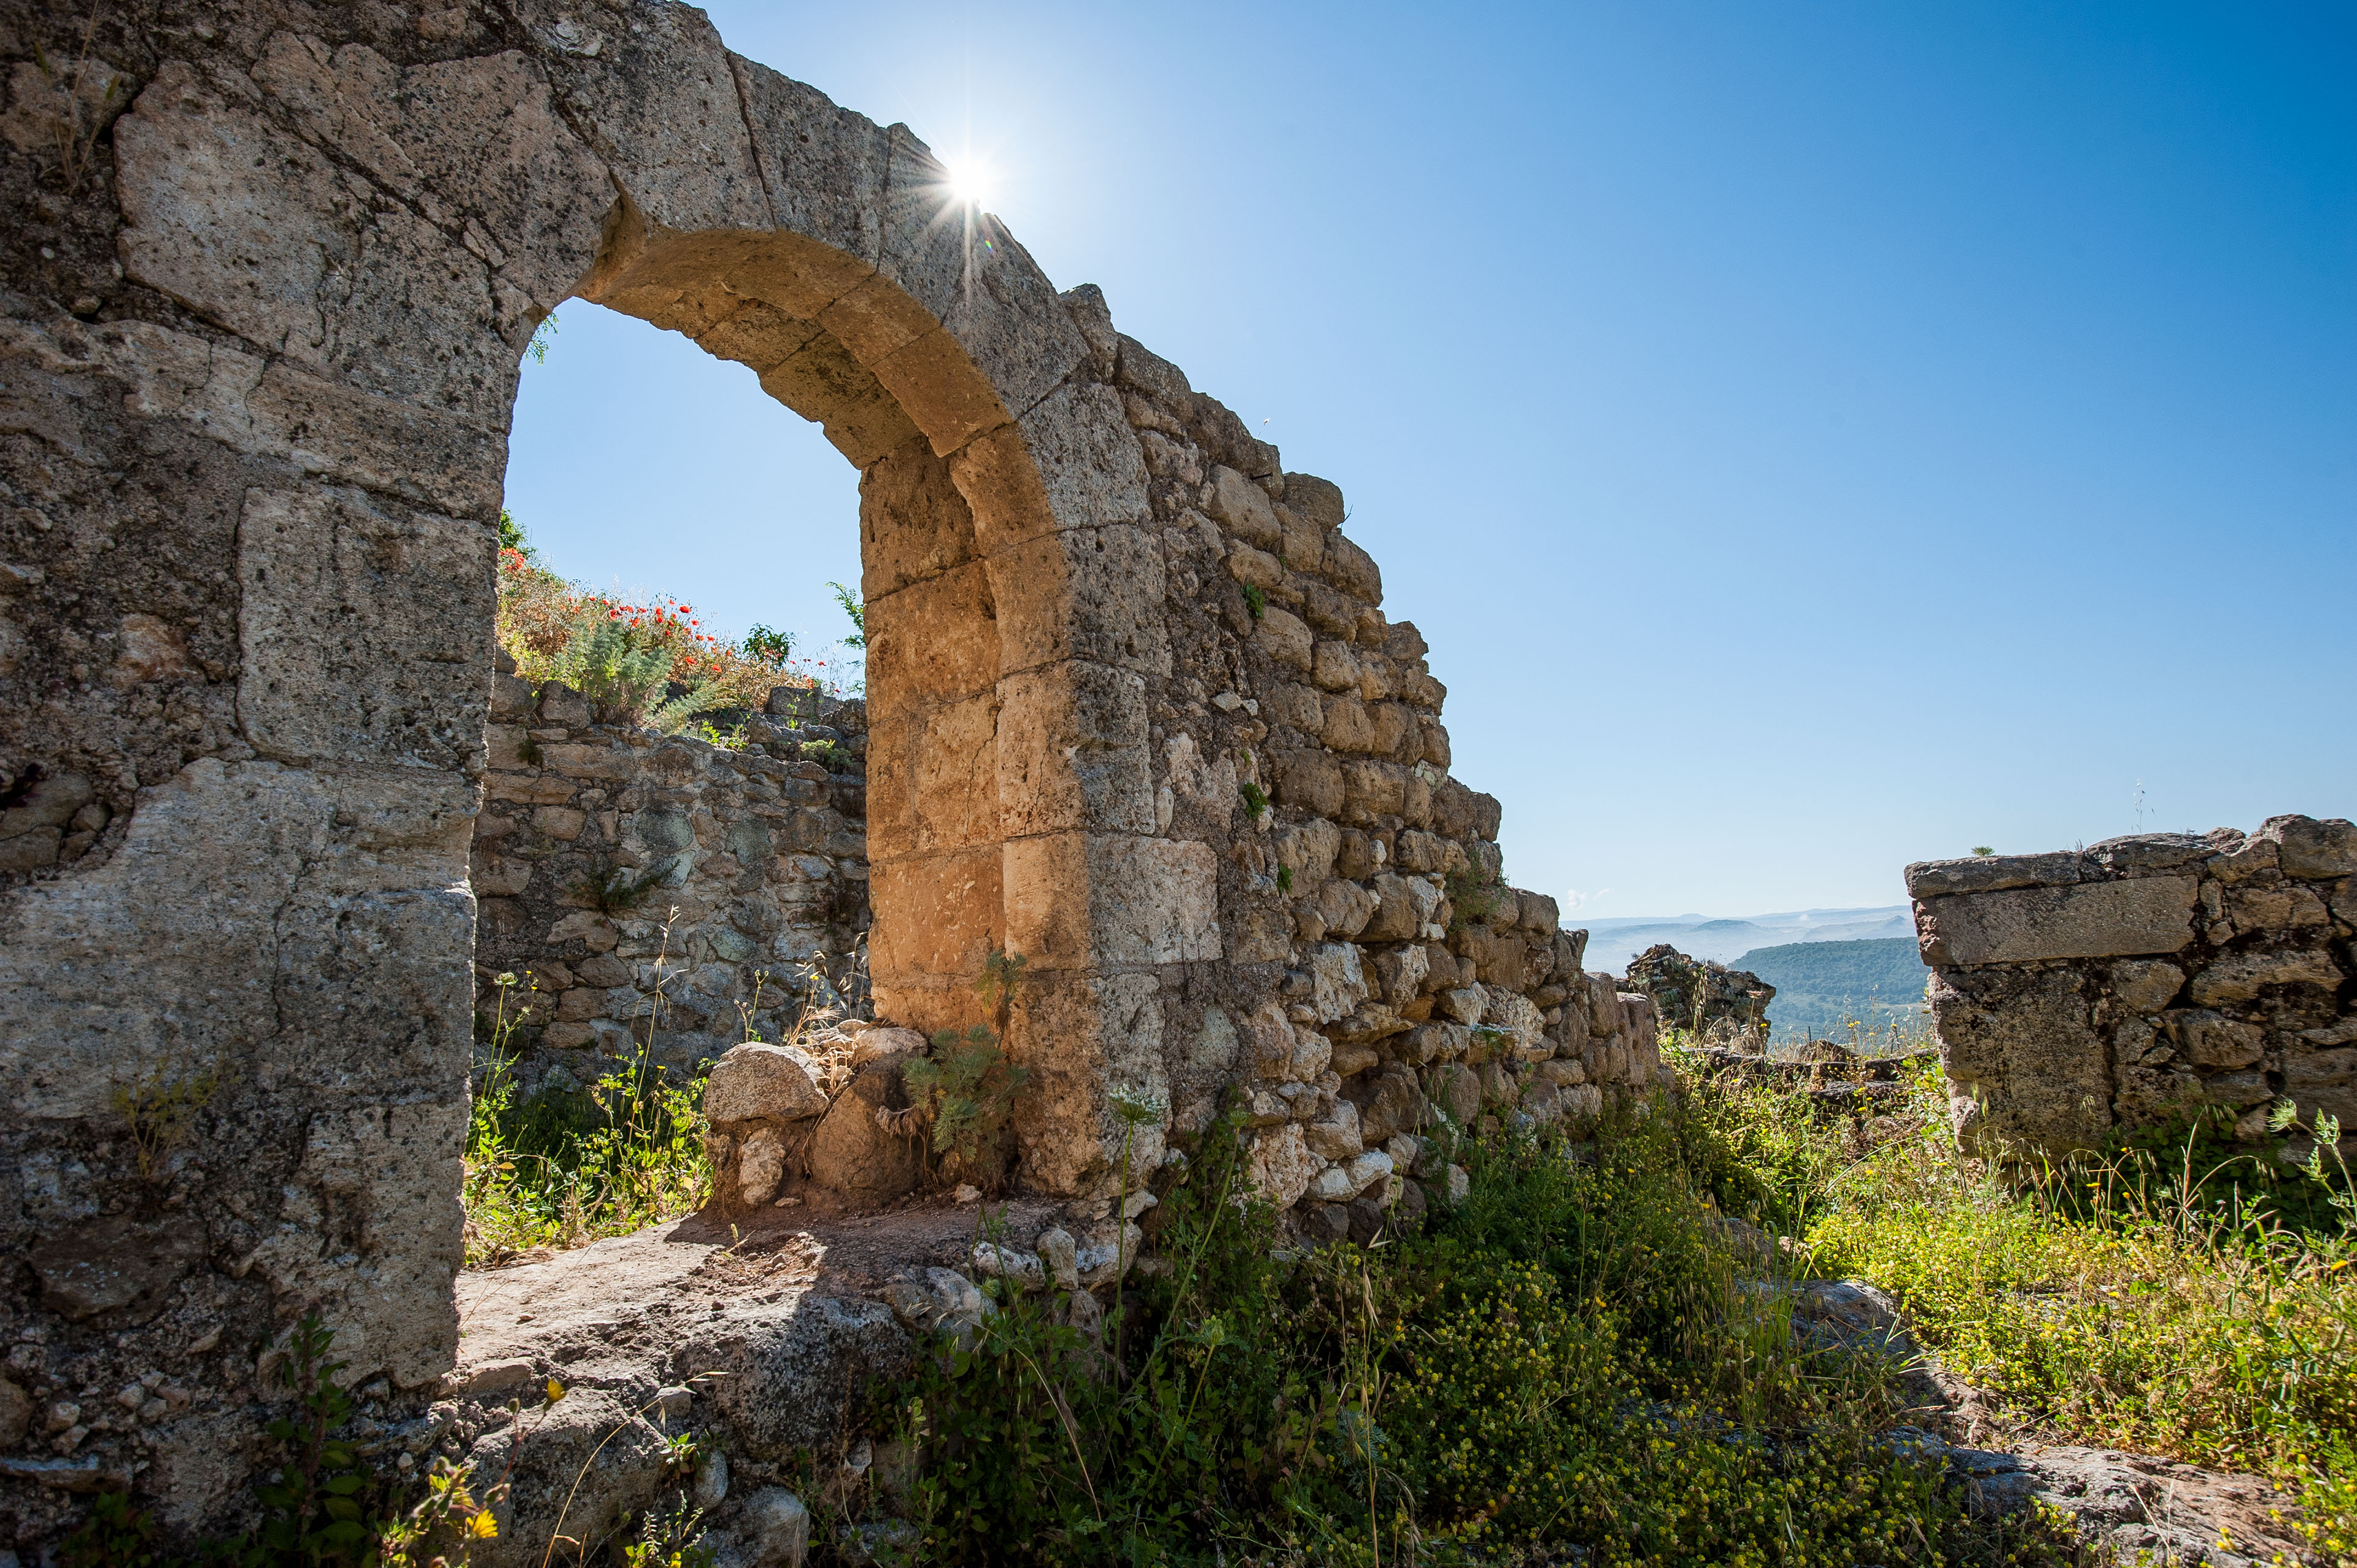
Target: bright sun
point(969, 179)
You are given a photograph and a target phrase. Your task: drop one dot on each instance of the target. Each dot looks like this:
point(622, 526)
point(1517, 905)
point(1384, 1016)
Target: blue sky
point(1811, 437)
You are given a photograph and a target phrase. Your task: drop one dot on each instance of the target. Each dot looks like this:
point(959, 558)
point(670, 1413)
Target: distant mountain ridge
point(1611, 943)
point(1821, 986)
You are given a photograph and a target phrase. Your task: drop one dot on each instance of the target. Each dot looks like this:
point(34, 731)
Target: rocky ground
point(758, 1342)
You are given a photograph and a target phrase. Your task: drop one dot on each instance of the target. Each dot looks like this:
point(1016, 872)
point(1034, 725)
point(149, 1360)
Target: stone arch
point(339, 235)
point(1137, 712)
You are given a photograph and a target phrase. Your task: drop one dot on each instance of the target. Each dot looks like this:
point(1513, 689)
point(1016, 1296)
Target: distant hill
point(1611, 943)
point(1821, 985)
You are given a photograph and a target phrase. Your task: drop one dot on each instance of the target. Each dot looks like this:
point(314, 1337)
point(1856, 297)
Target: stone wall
point(1134, 710)
point(2144, 978)
point(1380, 968)
point(743, 876)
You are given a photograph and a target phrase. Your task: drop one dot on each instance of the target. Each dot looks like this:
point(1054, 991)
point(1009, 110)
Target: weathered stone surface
point(2051, 1042)
point(2242, 976)
point(1725, 1005)
point(117, 1269)
point(853, 1154)
point(762, 1082)
point(248, 648)
point(1987, 873)
point(2106, 920)
point(2026, 1062)
point(1282, 1163)
point(2309, 848)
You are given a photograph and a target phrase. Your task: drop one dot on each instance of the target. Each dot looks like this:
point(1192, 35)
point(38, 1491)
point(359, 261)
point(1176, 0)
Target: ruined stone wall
point(1298, 737)
point(2142, 979)
point(1134, 710)
point(743, 875)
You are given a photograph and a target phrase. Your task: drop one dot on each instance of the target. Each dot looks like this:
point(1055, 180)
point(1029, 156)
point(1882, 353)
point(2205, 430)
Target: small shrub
point(625, 657)
point(856, 609)
point(1473, 895)
point(1255, 799)
point(116, 1535)
point(615, 890)
point(1256, 600)
point(966, 1088)
point(769, 646)
point(159, 1106)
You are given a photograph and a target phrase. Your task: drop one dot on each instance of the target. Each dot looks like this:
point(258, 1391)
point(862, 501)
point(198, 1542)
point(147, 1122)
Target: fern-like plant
point(967, 1088)
point(619, 673)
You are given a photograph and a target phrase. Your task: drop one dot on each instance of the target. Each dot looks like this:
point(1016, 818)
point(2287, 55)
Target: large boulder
point(860, 1152)
point(760, 1082)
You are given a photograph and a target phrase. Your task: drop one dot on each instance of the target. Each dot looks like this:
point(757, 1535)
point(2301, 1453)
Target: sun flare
point(969, 181)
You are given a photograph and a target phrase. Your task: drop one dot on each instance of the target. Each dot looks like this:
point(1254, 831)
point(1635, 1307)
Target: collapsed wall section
point(2143, 980)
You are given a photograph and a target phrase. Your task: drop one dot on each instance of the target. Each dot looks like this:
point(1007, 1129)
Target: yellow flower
point(555, 1391)
point(483, 1527)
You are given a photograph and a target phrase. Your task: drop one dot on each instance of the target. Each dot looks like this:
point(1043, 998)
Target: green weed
point(559, 1170)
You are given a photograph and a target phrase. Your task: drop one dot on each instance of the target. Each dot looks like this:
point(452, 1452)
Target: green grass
point(1574, 1358)
point(2179, 1296)
point(1568, 1359)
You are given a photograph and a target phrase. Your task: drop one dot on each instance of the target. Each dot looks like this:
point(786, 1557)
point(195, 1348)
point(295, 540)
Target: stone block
point(1093, 593)
point(1072, 751)
point(1281, 1164)
point(1078, 900)
point(826, 383)
point(1334, 666)
point(1346, 726)
point(2241, 977)
point(1305, 543)
point(1373, 790)
point(1990, 873)
point(1309, 779)
point(2138, 853)
point(342, 597)
point(2148, 985)
point(1071, 462)
point(1245, 510)
point(933, 780)
point(2027, 1066)
point(2316, 850)
point(2212, 1041)
point(1286, 637)
point(1338, 981)
point(935, 641)
point(913, 523)
point(1254, 568)
point(853, 1154)
point(755, 1081)
point(936, 915)
point(1351, 569)
point(2098, 920)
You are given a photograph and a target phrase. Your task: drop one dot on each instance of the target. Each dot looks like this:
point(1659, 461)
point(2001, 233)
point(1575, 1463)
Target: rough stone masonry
point(2143, 978)
point(1135, 711)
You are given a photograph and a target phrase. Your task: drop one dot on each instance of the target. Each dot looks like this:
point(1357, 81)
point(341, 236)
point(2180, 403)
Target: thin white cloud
point(1576, 899)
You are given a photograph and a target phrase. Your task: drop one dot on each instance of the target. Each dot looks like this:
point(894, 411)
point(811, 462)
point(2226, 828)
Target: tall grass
point(560, 1170)
point(2188, 1298)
